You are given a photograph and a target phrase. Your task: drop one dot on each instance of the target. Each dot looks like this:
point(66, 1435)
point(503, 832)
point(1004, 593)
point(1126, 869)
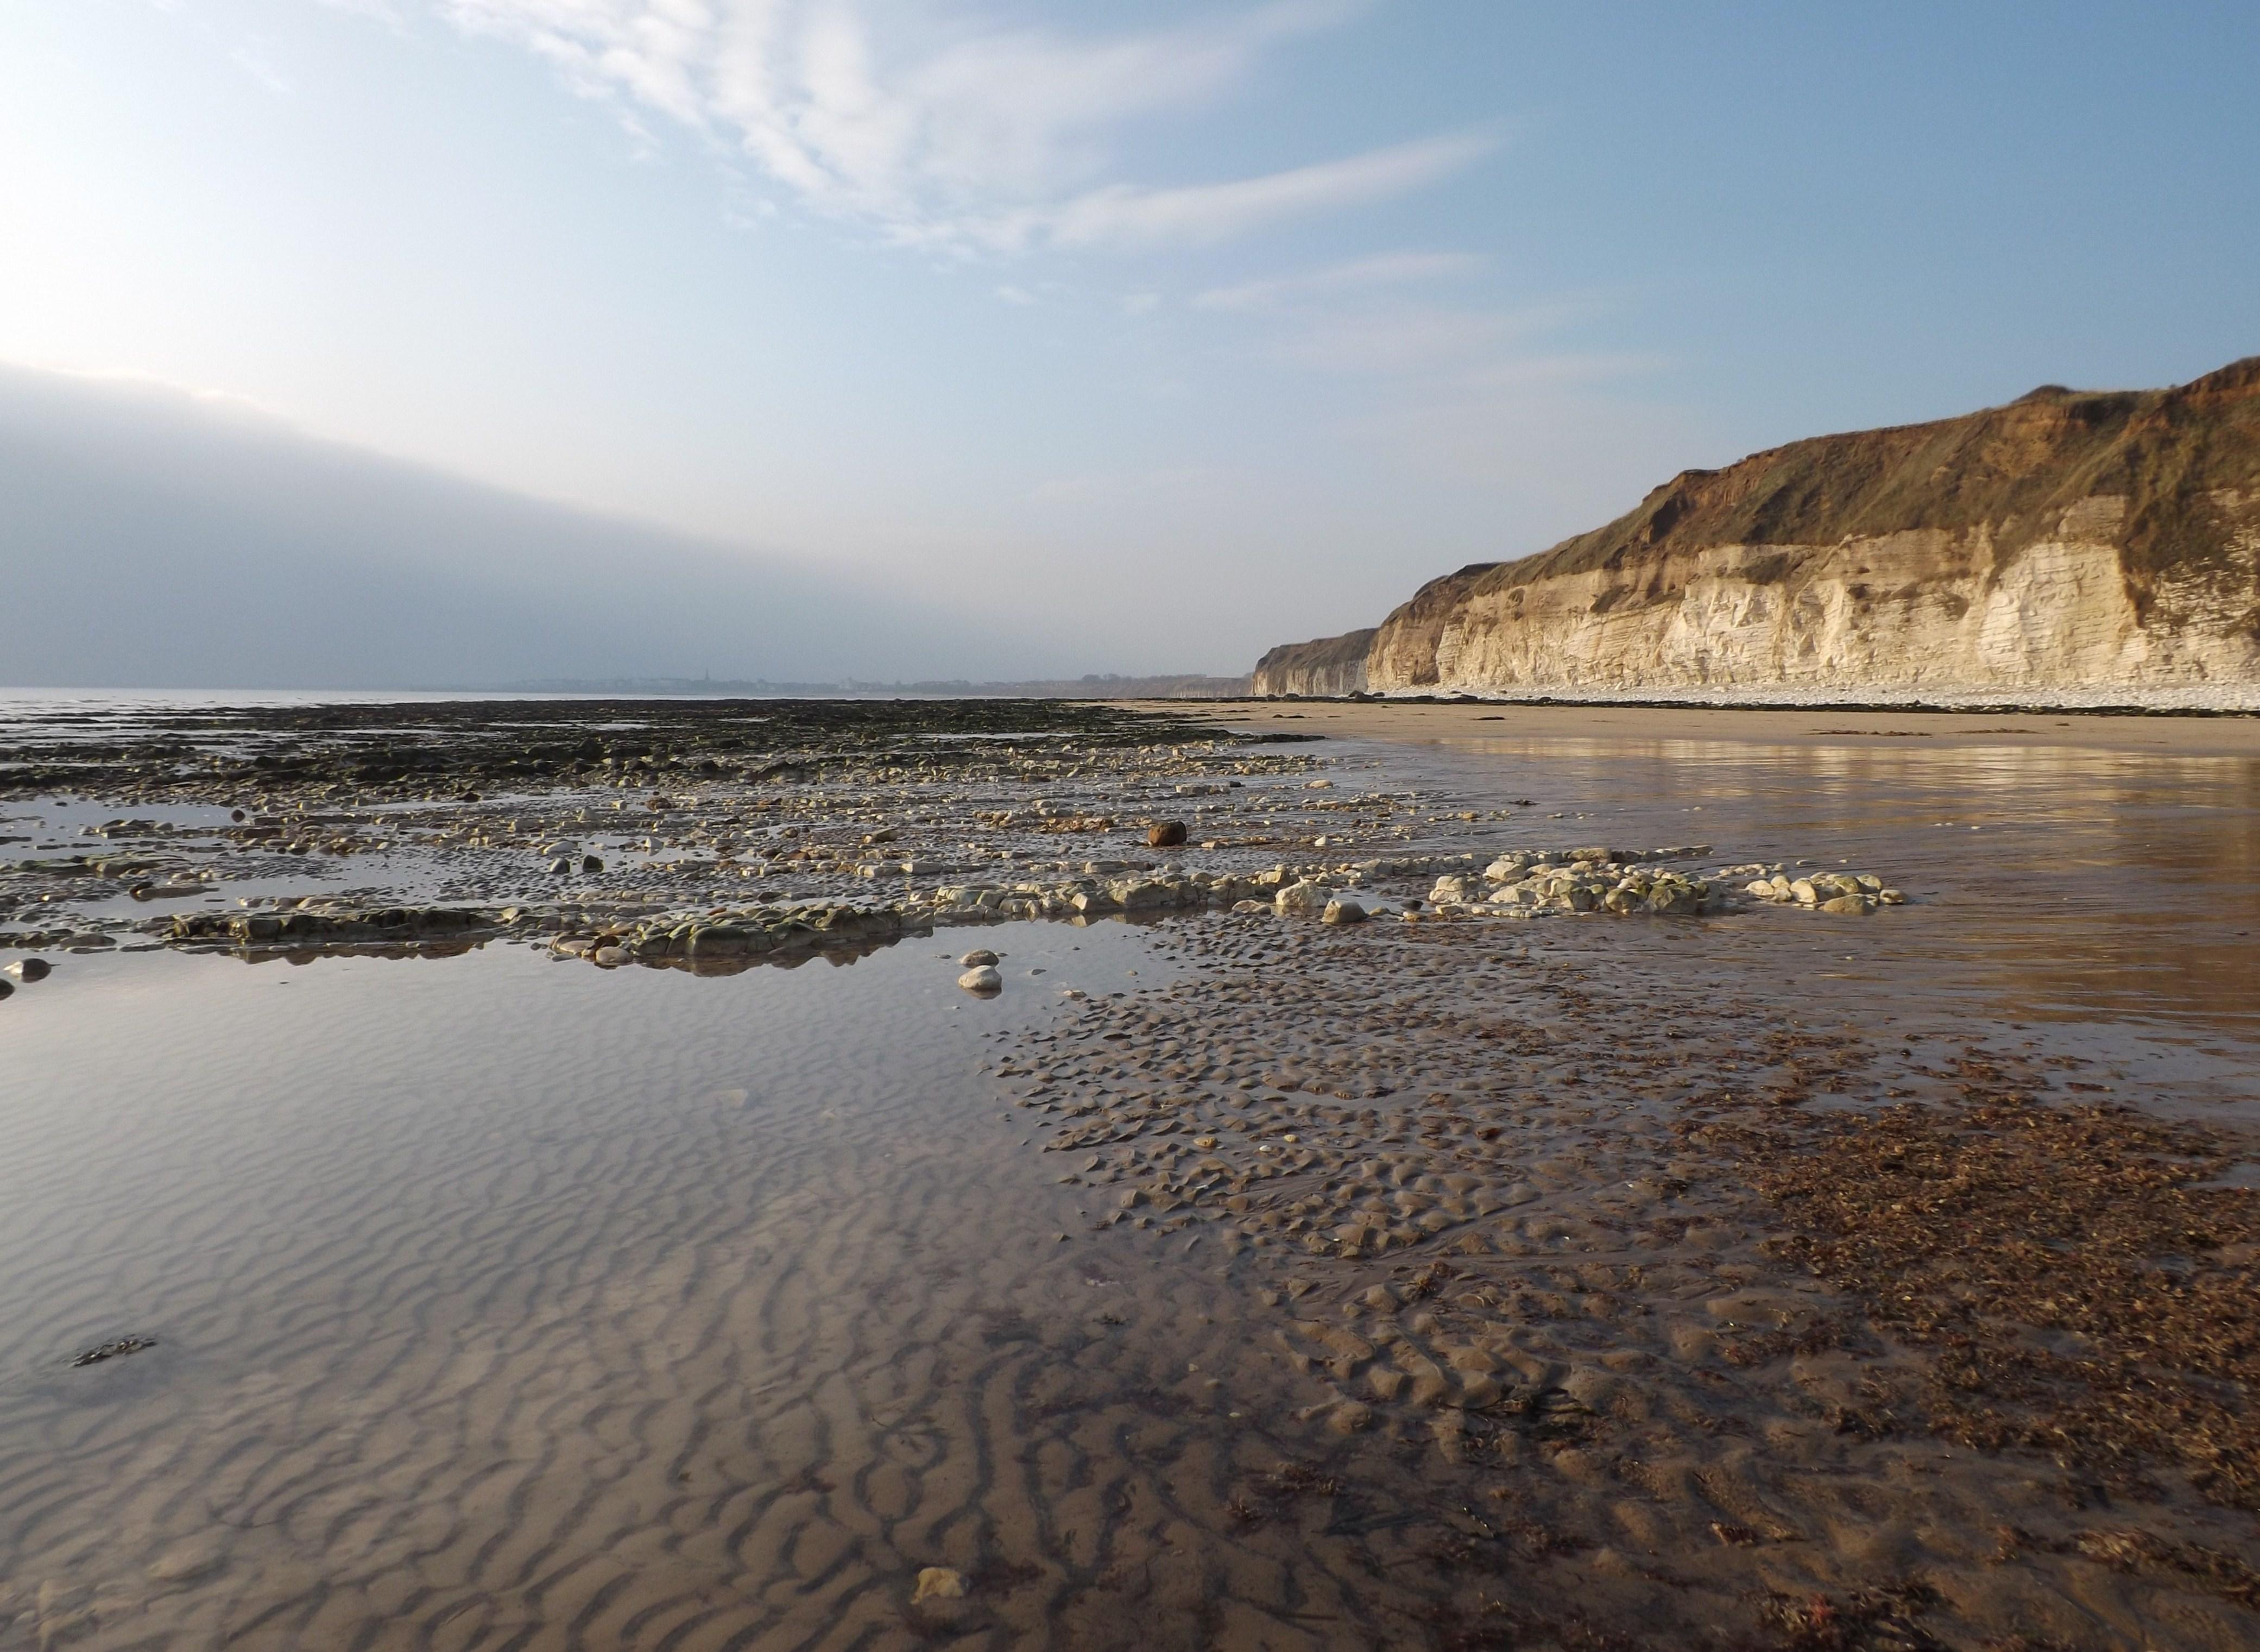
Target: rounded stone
point(1165, 834)
point(979, 956)
point(938, 1583)
point(28, 969)
point(982, 980)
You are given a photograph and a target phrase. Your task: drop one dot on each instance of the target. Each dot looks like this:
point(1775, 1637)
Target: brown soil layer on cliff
point(2012, 471)
point(2066, 544)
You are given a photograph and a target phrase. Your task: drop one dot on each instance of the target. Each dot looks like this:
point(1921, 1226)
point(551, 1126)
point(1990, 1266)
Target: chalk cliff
point(2072, 545)
point(1326, 666)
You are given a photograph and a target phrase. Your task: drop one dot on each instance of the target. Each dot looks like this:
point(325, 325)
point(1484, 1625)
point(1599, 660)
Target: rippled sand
point(503, 1302)
point(499, 1303)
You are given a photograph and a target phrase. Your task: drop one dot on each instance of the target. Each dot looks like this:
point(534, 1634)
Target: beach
point(544, 1185)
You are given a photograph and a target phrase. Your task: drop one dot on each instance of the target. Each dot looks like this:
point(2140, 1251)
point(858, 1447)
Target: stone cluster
point(1856, 893)
point(1523, 885)
point(729, 936)
point(329, 924)
point(1609, 880)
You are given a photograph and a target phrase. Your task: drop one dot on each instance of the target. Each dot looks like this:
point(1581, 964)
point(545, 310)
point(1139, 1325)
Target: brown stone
point(1165, 834)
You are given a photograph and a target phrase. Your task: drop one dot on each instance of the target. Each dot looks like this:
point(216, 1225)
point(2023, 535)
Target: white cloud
point(1125, 215)
point(946, 132)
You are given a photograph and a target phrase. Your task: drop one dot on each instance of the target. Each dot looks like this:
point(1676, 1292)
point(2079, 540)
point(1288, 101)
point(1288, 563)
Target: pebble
point(983, 979)
point(1164, 834)
point(938, 1583)
point(979, 956)
point(188, 1563)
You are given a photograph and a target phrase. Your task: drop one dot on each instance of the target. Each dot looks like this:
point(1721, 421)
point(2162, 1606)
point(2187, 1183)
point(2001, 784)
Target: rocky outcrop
point(2070, 546)
point(1324, 665)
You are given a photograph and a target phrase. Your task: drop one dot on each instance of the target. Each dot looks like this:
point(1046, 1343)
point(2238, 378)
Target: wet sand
point(2163, 734)
point(1758, 1279)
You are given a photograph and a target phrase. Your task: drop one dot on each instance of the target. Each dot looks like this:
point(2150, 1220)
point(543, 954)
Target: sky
point(1129, 338)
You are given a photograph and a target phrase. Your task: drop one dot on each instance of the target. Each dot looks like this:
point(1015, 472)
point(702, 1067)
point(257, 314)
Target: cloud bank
point(151, 539)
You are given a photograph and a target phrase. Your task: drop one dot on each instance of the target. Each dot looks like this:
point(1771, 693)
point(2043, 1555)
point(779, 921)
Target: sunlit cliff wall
point(2071, 544)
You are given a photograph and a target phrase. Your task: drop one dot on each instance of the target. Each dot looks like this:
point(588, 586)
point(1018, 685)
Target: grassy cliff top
point(2012, 471)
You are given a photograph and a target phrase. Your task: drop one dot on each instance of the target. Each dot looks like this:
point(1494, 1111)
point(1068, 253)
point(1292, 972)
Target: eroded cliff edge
point(1325, 666)
point(2072, 544)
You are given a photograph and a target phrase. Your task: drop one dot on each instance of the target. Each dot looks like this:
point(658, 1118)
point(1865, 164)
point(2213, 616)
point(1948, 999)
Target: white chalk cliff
point(2097, 546)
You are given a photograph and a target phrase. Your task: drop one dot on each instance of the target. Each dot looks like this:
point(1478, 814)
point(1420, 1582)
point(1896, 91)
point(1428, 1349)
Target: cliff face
point(2068, 543)
point(1326, 666)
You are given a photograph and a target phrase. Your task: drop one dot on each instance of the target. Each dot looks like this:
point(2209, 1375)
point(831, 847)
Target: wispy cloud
point(943, 131)
point(1126, 215)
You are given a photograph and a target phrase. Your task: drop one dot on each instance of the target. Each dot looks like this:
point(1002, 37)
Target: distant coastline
point(1110, 686)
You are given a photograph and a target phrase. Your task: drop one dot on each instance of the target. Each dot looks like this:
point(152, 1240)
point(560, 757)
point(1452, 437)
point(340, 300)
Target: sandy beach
point(553, 1188)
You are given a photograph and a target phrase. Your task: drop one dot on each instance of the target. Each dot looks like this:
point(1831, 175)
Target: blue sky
point(1182, 328)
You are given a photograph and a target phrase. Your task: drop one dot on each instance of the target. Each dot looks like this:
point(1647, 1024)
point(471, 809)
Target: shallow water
point(493, 1294)
point(504, 1302)
point(2113, 898)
